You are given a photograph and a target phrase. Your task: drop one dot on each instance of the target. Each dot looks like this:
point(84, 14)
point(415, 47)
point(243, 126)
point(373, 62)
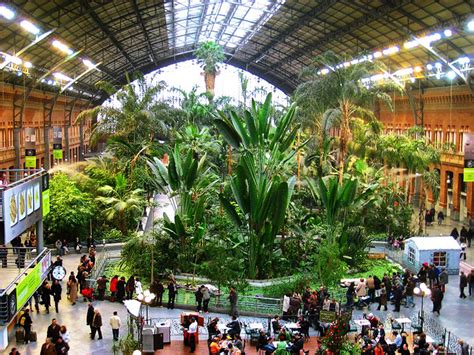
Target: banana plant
point(188, 183)
point(262, 183)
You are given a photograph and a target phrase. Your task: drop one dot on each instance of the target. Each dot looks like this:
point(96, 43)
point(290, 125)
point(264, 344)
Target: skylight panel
point(228, 22)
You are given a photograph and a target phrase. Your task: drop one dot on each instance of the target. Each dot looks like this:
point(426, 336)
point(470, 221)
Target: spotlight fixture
point(28, 26)
point(61, 76)
point(470, 25)
point(451, 75)
point(28, 65)
point(88, 63)
point(448, 32)
point(62, 47)
point(6, 13)
point(429, 67)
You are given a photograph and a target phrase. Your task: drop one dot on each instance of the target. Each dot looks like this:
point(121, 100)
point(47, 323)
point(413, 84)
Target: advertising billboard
point(28, 286)
point(21, 208)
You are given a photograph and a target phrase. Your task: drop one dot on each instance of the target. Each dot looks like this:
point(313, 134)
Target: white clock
point(59, 272)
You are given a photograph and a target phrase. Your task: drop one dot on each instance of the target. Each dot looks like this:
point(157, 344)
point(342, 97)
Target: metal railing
point(19, 176)
point(16, 257)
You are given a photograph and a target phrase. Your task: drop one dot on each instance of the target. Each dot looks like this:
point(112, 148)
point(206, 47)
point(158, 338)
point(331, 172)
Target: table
point(256, 326)
point(362, 322)
point(292, 325)
point(402, 322)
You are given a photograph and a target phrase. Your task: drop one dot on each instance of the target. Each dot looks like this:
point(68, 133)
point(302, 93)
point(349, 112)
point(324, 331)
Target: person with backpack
point(26, 322)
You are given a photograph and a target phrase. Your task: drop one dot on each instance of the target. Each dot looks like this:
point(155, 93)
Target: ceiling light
point(325, 71)
point(410, 44)
point(418, 69)
point(62, 47)
point(391, 50)
point(429, 67)
point(88, 63)
point(61, 76)
point(451, 75)
point(377, 54)
point(12, 59)
point(438, 65)
point(28, 65)
point(448, 33)
point(27, 25)
point(470, 25)
point(403, 72)
point(464, 60)
point(50, 82)
point(346, 64)
point(6, 12)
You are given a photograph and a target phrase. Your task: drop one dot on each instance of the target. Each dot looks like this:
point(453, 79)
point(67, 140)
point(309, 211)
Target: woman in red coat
point(113, 287)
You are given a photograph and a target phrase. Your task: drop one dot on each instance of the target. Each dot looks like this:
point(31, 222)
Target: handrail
point(30, 265)
point(35, 173)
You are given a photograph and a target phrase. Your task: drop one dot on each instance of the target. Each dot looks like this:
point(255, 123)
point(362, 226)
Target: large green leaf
point(230, 210)
point(228, 132)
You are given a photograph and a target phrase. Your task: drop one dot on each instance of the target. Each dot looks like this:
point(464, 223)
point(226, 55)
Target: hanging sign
point(45, 195)
point(468, 157)
point(30, 158)
point(57, 151)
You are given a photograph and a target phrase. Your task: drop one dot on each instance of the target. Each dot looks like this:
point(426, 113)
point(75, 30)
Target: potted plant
point(209, 55)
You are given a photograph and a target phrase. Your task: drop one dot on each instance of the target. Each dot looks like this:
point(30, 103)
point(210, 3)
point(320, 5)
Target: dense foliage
point(257, 190)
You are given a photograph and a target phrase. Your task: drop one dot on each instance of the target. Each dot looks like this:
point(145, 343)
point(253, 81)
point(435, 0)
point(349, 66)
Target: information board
point(327, 316)
point(468, 157)
point(28, 286)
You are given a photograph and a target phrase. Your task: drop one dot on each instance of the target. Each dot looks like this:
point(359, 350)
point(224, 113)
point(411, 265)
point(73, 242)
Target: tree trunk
point(210, 80)
point(344, 137)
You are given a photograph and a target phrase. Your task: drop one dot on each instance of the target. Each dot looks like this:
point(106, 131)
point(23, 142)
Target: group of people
point(465, 239)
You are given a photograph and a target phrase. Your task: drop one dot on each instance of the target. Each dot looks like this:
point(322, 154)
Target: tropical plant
point(71, 209)
point(120, 203)
point(188, 183)
point(262, 183)
point(209, 55)
point(132, 114)
point(341, 95)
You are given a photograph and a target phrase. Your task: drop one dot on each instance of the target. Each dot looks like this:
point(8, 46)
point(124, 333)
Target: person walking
point(72, 284)
point(90, 316)
point(46, 295)
point(53, 331)
point(48, 348)
point(383, 297)
point(56, 290)
point(192, 330)
point(437, 298)
point(160, 289)
point(172, 291)
point(470, 281)
point(62, 348)
point(121, 289)
point(440, 218)
point(206, 297)
point(115, 324)
point(443, 279)
point(26, 322)
point(96, 324)
point(233, 301)
point(64, 334)
point(130, 287)
point(462, 284)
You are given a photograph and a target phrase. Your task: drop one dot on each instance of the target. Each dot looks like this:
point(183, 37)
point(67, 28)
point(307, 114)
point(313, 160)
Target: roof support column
point(18, 110)
point(48, 107)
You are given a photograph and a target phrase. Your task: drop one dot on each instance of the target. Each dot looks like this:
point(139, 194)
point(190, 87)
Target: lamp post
point(422, 291)
point(146, 298)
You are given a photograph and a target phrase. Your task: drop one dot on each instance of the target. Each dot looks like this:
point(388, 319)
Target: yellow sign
point(468, 174)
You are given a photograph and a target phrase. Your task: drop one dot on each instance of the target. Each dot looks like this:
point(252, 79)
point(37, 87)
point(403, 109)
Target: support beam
point(145, 32)
point(373, 15)
point(18, 110)
point(304, 20)
point(48, 107)
point(103, 27)
point(69, 108)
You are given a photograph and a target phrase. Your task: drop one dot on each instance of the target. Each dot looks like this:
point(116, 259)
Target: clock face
point(12, 305)
point(59, 273)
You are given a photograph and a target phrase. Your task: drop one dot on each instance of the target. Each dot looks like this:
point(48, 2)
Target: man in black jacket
point(90, 316)
point(172, 291)
point(53, 331)
point(26, 322)
point(234, 326)
point(437, 298)
point(56, 291)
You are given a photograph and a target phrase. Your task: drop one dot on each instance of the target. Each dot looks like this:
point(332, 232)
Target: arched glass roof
point(73, 44)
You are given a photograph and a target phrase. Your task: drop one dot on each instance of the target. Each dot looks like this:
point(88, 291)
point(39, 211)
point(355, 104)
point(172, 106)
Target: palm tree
point(133, 115)
point(209, 55)
point(120, 203)
point(341, 95)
